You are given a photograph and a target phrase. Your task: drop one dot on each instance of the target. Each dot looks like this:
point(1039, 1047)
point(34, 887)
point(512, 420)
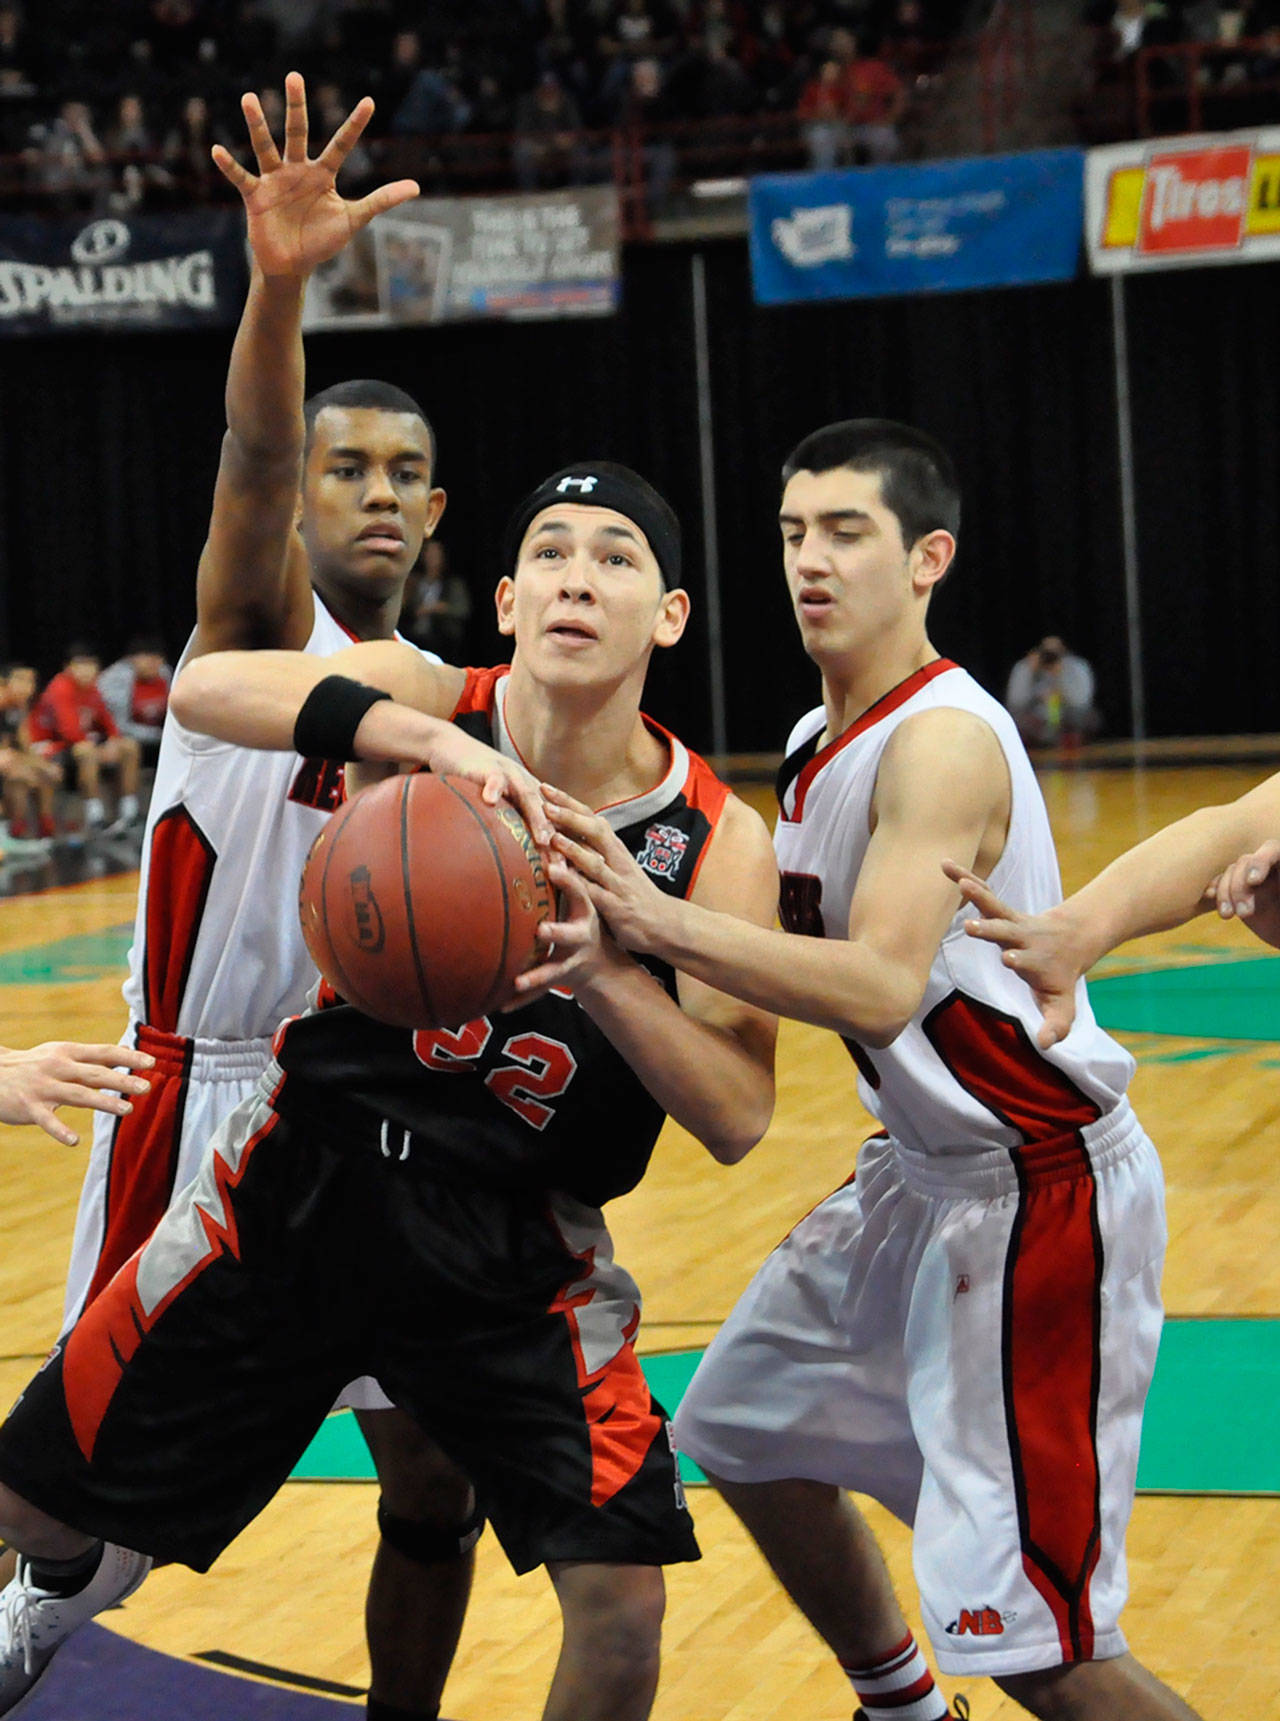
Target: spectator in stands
point(71, 726)
point(188, 145)
point(64, 157)
point(19, 61)
point(432, 104)
point(134, 150)
point(30, 781)
point(330, 108)
point(642, 103)
point(548, 147)
point(823, 112)
point(437, 606)
point(707, 82)
point(135, 690)
point(1050, 696)
point(640, 29)
point(876, 95)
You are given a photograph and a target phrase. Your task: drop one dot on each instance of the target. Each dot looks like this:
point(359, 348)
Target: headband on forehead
point(604, 484)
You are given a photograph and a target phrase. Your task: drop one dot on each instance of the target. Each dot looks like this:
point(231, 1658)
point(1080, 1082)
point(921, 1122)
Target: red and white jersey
point(966, 1073)
point(217, 950)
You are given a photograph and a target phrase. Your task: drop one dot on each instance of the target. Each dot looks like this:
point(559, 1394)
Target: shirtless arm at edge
point(869, 986)
point(254, 587)
point(1223, 856)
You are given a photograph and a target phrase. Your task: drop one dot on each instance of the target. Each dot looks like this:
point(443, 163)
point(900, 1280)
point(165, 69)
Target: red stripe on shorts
point(616, 1403)
point(1052, 1307)
point(144, 1156)
point(105, 1338)
point(179, 874)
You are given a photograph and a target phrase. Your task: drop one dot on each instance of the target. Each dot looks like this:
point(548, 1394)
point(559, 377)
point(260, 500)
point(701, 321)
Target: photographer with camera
point(1050, 696)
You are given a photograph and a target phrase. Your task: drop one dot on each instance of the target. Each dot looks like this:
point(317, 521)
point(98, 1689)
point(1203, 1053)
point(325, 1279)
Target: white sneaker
point(33, 1623)
point(95, 816)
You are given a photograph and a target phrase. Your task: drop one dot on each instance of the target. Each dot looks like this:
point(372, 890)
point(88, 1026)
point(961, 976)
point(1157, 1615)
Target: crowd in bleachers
point(116, 107)
point(73, 753)
point(1160, 66)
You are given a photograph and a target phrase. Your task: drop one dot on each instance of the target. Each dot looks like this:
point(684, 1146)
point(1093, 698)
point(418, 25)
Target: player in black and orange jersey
point(425, 1206)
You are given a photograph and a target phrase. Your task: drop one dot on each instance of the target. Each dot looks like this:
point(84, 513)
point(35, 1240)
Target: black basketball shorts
point(314, 1247)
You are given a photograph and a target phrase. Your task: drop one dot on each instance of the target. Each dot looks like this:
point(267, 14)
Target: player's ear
point(435, 507)
point(930, 558)
point(505, 603)
point(672, 618)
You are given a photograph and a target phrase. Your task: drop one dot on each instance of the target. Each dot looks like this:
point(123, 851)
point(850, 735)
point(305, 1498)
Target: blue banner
point(942, 226)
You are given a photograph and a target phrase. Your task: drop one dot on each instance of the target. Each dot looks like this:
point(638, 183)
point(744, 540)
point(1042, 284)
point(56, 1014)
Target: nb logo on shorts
point(584, 486)
point(980, 1622)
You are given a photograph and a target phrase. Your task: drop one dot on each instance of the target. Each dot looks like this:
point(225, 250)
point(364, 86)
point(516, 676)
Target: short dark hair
point(81, 648)
point(917, 477)
point(144, 642)
point(365, 391)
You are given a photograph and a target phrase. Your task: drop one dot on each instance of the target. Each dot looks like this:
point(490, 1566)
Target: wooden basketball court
point(1205, 1568)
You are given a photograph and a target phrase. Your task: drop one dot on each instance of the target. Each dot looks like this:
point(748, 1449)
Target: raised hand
point(297, 218)
point(1041, 949)
point(631, 905)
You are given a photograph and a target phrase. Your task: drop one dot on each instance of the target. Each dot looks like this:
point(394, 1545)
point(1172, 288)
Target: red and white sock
point(899, 1687)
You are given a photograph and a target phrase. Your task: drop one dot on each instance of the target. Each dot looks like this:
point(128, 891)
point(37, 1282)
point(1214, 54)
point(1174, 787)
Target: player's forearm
point(702, 1076)
point(1161, 882)
point(831, 983)
point(266, 378)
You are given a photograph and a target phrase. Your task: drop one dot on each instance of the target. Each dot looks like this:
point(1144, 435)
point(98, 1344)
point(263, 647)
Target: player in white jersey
point(967, 1329)
point(318, 517)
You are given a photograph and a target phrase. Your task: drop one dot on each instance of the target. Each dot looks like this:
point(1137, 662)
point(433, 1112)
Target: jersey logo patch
point(664, 849)
point(980, 1622)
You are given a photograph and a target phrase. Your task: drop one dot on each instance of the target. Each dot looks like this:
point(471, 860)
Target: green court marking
point(1209, 1427)
point(1234, 1000)
point(83, 956)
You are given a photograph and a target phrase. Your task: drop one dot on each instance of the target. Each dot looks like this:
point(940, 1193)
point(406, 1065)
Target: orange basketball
point(420, 903)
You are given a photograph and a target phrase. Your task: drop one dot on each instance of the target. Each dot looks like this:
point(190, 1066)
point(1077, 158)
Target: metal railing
point(1205, 86)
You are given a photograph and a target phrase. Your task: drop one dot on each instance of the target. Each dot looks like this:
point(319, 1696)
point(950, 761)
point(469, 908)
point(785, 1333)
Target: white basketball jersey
point(966, 1074)
point(217, 950)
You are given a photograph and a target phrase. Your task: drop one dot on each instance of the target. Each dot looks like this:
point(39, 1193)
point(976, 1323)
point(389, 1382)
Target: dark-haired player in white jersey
point(967, 1329)
point(319, 512)
point(425, 1206)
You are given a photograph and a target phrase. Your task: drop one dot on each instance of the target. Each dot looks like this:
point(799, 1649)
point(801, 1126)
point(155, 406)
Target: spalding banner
point(118, 272)
point(1188, 200)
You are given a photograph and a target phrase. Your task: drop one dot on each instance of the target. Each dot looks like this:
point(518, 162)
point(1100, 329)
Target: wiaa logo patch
point(371, 934)
point(664, 849)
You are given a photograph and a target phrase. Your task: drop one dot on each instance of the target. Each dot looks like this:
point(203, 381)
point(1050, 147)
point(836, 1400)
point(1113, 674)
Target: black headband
point(604, 484)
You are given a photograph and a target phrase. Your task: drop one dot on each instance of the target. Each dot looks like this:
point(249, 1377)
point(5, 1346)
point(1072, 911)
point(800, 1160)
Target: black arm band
point(330, 715)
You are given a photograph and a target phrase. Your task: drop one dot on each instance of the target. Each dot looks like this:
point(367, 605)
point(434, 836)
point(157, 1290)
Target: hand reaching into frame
point(1249, 891)
point(297, 217)
point(60, 1072)
point(1042, 949)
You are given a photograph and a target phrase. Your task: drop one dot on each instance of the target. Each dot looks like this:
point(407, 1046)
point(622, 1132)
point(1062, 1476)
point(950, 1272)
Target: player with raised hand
point(1222, 857)
point(320, 509)
point(34, 1083)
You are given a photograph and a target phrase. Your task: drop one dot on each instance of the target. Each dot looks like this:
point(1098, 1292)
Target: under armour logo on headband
point(584, 485)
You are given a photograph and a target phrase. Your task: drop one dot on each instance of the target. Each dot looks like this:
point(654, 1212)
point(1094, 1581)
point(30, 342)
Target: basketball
point(420, 902)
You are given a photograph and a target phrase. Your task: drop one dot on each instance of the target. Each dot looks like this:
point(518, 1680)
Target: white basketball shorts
point(968, 1338)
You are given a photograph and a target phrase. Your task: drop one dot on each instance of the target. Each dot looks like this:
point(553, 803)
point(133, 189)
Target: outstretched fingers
point(231, 170)
point(347, 136)
point(261, 141)
point(378, 202)
point(295, 117)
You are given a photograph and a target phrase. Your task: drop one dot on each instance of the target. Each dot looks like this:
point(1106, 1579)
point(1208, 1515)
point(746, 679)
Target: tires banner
point(537, 255)
point(121, 272)
point(1172, 202)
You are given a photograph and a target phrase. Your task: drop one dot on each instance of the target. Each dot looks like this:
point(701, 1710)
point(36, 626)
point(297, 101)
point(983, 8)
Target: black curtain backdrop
point(109, 444)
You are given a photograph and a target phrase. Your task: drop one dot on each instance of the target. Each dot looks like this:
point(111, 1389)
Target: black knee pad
point(428, 1544)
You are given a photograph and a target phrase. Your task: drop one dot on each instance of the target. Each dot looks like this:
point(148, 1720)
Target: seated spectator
point(548, 148)
point(1050, 696)
point(71, 726)
point(30, 782)
point(432, 105)
point(64, 157)
point(189, 143)
point(877, 100)
point(437, 605)
point(135, 690)
point(707, 81)
point(823, 112)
